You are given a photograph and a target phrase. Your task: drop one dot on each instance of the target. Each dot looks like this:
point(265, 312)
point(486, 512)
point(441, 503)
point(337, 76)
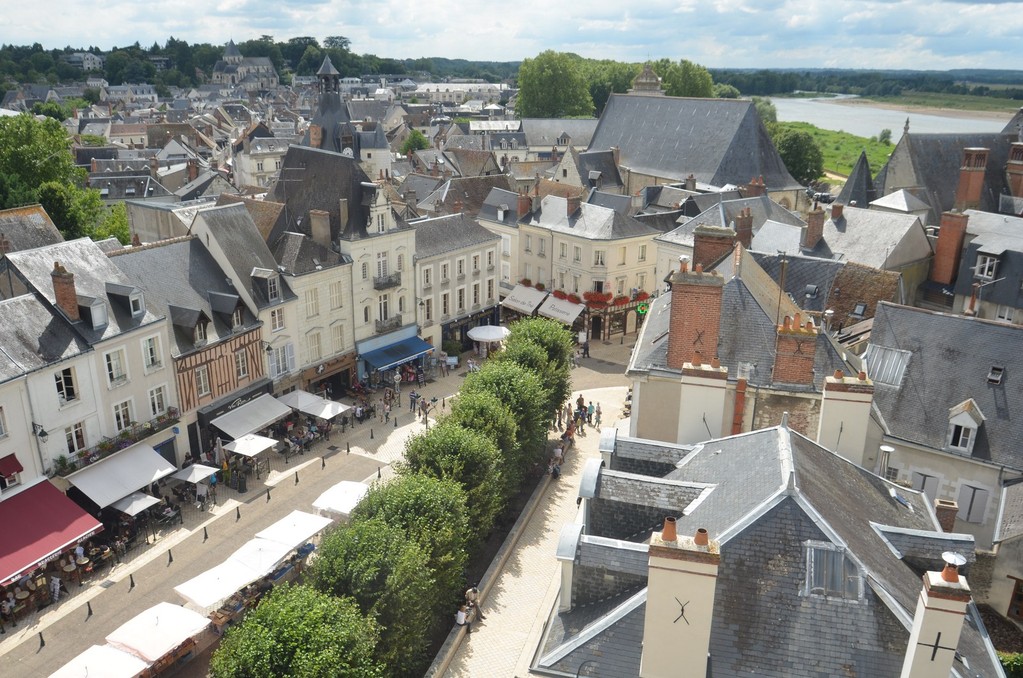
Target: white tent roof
point(294, 529)
point(250, 445)
point(252, 416)
point(102, 661)
point(342, 498)
point(489, 333)
point(560, 309)
point(215, 585)
point(135, 503)
point(524, 299)
point(312, 404)
point(194, 473)
point(119, 475)
point(259, 555)
point(155, 632)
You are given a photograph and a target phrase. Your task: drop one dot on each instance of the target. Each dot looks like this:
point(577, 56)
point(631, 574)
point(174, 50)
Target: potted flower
point(526, 282)
point(620, 300)
point(540, 286)
point(641, 296)
point(574, 298)
point(560, 294)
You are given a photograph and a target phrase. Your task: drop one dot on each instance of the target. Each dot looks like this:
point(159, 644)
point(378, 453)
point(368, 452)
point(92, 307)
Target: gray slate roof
point(719, 141)
point(449, 233)
point(542, 132)
point(951, 357)
point(859, 187)
point(34, 336)
point(26, 227)
point(996, 235)
point(593, 222)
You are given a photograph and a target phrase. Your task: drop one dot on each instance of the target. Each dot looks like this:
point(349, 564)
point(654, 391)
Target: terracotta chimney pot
point(950, 573)
point(701, 538)
point(839, 374)
point(668, 533)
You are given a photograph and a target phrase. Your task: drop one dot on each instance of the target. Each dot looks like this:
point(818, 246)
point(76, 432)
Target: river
point(868, 121)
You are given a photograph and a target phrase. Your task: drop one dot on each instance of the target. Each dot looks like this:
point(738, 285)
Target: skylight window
point(995, 375)
point(886, 365)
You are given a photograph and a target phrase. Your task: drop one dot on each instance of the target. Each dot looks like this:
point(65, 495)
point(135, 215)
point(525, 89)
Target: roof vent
point(811, 291)
point(995, 375)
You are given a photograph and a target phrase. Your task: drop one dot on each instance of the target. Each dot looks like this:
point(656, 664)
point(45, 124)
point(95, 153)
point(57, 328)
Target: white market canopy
point(252, 416)
point(260, 556)
point(194, 473)
point(523, 299)
point(158, 630)
point(560, 309)
point(213, 586)
point(120, 474)
point(294, 529)
point(102, 660)
point(312, 404)
point(250, 445)
point(341, 498)
point(135, 503)
point(489, 333)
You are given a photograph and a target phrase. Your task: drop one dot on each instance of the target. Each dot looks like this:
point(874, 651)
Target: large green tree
point(415, 141)
point(801, 154)
point(552, 85)
point(606, 77)
point(76, 212)
point(484, 412)
point(36, 151)
point(390, 577)
point(298, 631)
point(684, 78)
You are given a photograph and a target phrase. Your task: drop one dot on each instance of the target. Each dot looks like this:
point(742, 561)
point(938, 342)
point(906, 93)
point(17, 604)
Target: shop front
point(402, 358)
point(522, 301)
point(458, 330)
point(334, 376)
point(201, 435)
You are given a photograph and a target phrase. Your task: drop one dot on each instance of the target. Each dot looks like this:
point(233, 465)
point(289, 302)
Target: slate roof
point(859, 187)
point(439, 235)
point(900, 201)
point(181, 274)
point(497, 198)
point(127, 186)
point(542, 132)
point(592, 222)
point(719, 141)
point(471, 163)
point(26, 227)
point(721, 211)
point(865, 236)
point(772, 491)
point(996, 235)
point(34, 336)
point(801, 272)
point(951, 357)
point(299, 254)
point(597, 169)
point(470, 192)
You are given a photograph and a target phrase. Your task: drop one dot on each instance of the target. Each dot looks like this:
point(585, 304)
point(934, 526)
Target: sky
point(912, 34)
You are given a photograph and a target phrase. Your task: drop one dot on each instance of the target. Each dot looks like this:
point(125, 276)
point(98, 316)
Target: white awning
point(250, 445)
point(213, 586)
point(294, 529)
point(102, 660)
point(155, 632)
point(341, 498)
point(252, 416)
point(135, 503)
point(194, 473)
point(524, 299)
point(260, 556)
point(119, 475)
point(560, 309)
point(313, 405)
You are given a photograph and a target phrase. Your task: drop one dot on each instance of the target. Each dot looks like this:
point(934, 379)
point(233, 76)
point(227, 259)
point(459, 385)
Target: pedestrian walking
point(586, 349)
point(412, 398)
point(589, 413)
point(596, 416)
point(580, 402)
point(472, 600)
point(387, 412)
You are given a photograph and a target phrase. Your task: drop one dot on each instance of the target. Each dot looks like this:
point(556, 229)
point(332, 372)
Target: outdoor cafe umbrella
point(489, 333)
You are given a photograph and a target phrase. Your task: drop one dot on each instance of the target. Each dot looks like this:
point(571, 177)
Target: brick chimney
point(938, 622)
point(971, 178)
point(154, 167)
point(814, 230)
point(573, 204)
point(681, 583)
point(744, 227)
point(946, 510)
point(949, 248)
point(193, 169)
point(794, 352)
point(525, 205)
point(710, 243)
point(695, 315)
point(319, 227)
point(1014, 169)
point(64, 291)
point(315, 136)
point(755, 188)
point(836, 211)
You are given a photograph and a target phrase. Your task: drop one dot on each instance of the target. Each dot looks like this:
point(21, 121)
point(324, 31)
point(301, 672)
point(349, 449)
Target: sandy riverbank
point(925, 110)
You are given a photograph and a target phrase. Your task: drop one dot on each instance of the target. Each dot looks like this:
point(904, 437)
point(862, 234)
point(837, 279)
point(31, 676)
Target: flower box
point(560, 294)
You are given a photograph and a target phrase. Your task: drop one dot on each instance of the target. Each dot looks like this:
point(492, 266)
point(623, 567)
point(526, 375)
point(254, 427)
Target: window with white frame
point(157, 401)
point(542, 247)
point(986, 267)
point(277, 320)
point(202, 380)
point(427, 276)
point(619, 286)
point(527, 271)
point(598, 258)
point(313, 348)
point(337, 333)
point(621, 255)
point(241, 364)
point(381, 264)
point(237, 318)
point(122, 415)
point(575, 284)
point(475, 294)
point(136, 304)
point(200, 333)
point(312, 303)
point(563, 250)
point(401, 262)
point(117, 373)
point(960, 437)
point(444, 273)
point(506, 245)
point(641, 281)
point(528, 243)
point(365, 314)
point(3, 424)
point(505, 271)
point(460, 299)
point(384, 306)
point(74, 436)
point(428, 310)
point(445, 304)
point(475, 262)
point(281, 360)
point(830, 573)
point(1005, 314)
point(401, 304)
point(151, 353)
point(642, 253)
point(926, 483)
point(460, 266)
point(577, 253)
point(972, 503)
point(365, 270)
point(490, 259)
point(67, 389)
point(273, 288)
point(336, 295)
point(490, 289)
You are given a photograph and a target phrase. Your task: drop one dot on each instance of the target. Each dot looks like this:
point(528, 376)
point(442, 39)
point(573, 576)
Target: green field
point(842, 149)
point(961, 102)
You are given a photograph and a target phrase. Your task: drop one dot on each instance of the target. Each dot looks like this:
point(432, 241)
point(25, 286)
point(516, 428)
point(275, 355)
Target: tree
point(390, 578)
point(36, 152)
point(338, 42)
point(113, 224)
point(606, 77)
point(684, 79)
point(801, 154)
point(766, 110)
point(552, 85)
point(415, 141)
point(885, 137)
point(722, 91)
point(467, 457)
point(484, 412)
point(75, 211)
point(298, 631)
point(553, 365)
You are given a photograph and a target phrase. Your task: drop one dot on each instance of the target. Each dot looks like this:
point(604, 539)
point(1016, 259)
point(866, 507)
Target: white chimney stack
point(938, 622)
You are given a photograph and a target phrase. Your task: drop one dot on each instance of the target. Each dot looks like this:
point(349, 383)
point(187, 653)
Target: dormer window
point(237, 318)
point(830, 573)
point(963, 422)
point(273, 288)
point(986, 267)
point(200, 333)
point(136, 304)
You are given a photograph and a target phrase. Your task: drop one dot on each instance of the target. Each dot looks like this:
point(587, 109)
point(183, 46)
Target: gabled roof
point(545, 132)
point(469, 192)
point(23, 228)
point(591, 221)
point(951, 358)
point(719, 141)
point(859, 187)
point(866, 236)
point(900, 201)
point(440, 235)
point(995, 235)
point(299, 254)
point(497, 199)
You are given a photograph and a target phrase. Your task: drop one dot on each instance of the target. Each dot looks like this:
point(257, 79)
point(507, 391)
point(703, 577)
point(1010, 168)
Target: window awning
point(39, 522)
point(560, 309)
point(10, 465)
point(119, 475)
point(523, 299)
point(397, 353)
point(312, 404)
point(252, 416)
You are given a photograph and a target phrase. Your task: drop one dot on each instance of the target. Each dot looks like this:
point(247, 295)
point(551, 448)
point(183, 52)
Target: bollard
point(170, 557)
point(237, 513)
point(378, 471)
point(371, 434)
point(42, 643)
point(396, 422)
point(296, 477)
point(323, 463)
point(268, 495)
point(88, 610)
point(205, 535)
point(131, 582)
point(348, 448)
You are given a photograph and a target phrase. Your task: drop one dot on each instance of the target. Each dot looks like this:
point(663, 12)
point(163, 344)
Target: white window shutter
point(291, 357)
point(927, 484)
point(972, 504)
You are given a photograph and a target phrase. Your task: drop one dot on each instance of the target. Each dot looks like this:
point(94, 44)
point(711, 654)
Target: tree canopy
point(415, 141)
point(801, 154)
point(684, 78)
point(484, 412)
point(552, 85)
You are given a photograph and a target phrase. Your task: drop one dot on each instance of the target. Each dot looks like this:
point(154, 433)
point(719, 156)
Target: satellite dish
point(954, 559)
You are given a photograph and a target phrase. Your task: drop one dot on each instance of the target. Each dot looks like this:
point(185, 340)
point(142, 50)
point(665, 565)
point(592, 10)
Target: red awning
point(10, 465)
point(39, 523)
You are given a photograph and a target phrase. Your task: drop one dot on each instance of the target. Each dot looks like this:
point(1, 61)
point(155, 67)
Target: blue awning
point(397, 353)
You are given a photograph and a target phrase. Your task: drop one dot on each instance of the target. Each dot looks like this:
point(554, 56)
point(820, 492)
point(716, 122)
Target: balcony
point(65, 464)
point(392, 323)
point(386, 282)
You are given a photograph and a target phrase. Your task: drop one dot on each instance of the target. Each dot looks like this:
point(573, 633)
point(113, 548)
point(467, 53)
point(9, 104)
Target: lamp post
point(41, 435)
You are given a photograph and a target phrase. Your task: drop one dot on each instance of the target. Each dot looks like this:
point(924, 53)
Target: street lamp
point(40, 432)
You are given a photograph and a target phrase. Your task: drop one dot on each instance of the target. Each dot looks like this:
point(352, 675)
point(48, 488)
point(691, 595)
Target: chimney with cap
point(744, 227)
point(845, 415)
point(971, 178)
point(1014, 169)
point(64, 292)
point(711, 243)
point(814, 230)
point(695, 320)
point(836, 211)
point(938, 622)
point(949, 247)
point(573, 205)
point(319, 227)
point(681, 583)
point(946, 510)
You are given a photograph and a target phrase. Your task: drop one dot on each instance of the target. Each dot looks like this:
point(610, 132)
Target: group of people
point(470, 609)
point(581, 416)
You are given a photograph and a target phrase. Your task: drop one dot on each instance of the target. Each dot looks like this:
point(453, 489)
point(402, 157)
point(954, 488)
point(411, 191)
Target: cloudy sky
point(918, 34)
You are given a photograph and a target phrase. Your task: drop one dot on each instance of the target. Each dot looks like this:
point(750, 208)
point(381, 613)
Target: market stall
point(103, 660)
point(160, 635)
point(341, 499)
